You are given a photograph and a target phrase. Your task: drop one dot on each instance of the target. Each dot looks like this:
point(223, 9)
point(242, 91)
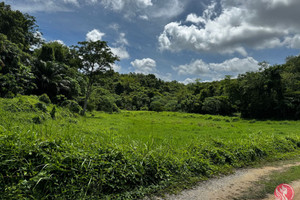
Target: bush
point(72, 105)
point(218, 105)
point(41, 106)
point(144, 108)
point(37, 119)
point(53, 112)
point(44, 98)
point(59, 99)
point(156, 106)
point(106, 103)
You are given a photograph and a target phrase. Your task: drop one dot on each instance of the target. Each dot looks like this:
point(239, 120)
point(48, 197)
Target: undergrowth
point(103, 157)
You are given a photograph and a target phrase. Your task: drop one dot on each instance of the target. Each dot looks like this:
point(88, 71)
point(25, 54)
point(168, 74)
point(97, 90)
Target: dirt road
point(233, 186)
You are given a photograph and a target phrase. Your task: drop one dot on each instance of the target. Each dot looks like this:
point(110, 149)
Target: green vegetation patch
point(125, 155)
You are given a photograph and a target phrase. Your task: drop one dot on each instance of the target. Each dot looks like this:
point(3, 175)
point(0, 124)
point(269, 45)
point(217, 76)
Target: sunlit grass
point(126, 154)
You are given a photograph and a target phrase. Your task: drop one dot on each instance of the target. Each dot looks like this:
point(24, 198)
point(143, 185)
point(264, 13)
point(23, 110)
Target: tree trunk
point(87, 96)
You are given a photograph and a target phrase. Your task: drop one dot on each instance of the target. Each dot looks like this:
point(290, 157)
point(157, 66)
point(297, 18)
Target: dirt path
point(232, 186)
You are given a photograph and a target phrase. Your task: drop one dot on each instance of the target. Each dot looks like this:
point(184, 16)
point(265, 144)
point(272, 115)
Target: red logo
point(284, 192)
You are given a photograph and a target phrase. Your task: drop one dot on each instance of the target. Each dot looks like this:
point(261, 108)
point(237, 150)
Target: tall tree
point(15, 69)
point(261, 93)
point(19, 28)
point(96, 58)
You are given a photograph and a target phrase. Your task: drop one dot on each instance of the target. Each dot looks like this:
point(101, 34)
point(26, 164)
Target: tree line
point(82, 75)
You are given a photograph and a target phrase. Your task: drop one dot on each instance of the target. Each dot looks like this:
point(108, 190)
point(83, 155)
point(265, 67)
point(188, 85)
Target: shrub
point(41, 106)
point(107, 104)
point(217, 105)
point(52, 113)
point(144, 108)
point(44, 98)
point(72, 105)
point(37, 120)
point(156, 106)
point(59, 99)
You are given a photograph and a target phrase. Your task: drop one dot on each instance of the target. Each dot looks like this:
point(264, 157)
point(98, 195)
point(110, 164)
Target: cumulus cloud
point(121, 52)
point(144, 66)
point(195, 19)
point(232, 66)
point(118, 47)
point(188, 81)
point(239, 25)
point(94, 35)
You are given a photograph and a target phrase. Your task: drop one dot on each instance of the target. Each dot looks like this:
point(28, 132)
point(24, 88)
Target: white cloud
point(122, 39)
point(144, 3)
point(118, 5)
point(116, 68)
point(257, 24)
point(187, 81)
point(144, 66)
point(144, 17)
point(114, 26)
point(131, 9)
point(167, 9)
point(195, 19)
point(74, 2)
point(94, 35)
point(119, 48)
point(60, 42)
point(232, 66)
point(32, 6)
point(92, 1)
point(121, 52)
point(145, 9)
point(293, 42)
point(165, 77)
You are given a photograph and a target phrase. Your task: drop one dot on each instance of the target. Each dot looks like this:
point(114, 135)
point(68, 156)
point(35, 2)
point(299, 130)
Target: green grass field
point(126, 155)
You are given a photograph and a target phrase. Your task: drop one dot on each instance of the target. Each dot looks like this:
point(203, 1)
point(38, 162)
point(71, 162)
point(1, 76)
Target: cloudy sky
point(176, 39)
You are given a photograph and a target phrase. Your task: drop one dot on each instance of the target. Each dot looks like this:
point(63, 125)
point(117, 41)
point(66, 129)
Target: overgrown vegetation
point(125, 155)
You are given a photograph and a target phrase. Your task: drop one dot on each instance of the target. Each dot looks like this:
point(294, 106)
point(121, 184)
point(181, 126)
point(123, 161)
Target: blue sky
point(179, 40)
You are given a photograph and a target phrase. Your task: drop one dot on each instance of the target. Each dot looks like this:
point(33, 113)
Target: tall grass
point(125, 155)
